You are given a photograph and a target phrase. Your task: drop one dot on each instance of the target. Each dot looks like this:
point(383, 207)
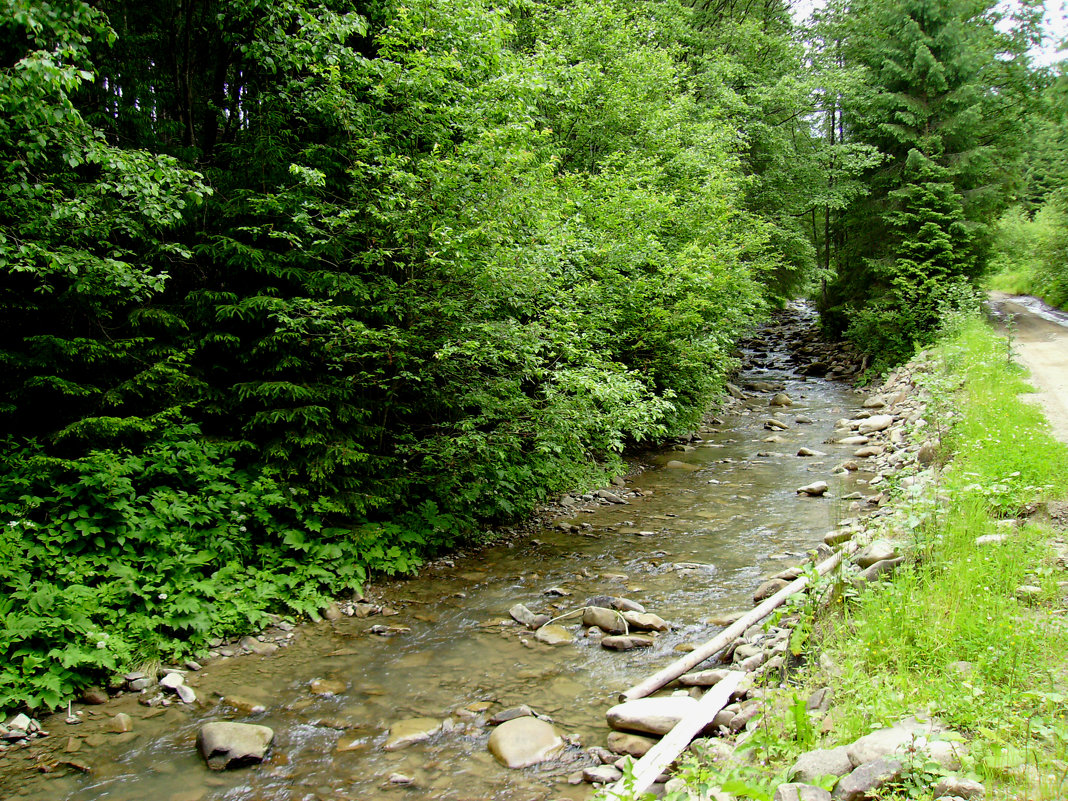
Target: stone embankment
point(894, 439)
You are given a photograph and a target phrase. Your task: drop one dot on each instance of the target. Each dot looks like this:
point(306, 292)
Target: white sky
point(1056, 27)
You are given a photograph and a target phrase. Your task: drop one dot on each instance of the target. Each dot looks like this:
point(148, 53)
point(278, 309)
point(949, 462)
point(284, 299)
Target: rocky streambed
point(407, 691)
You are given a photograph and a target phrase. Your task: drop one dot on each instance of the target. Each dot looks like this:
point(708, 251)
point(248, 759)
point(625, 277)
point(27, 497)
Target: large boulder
point(650, 715)
point(525, 741)
point(232, 745)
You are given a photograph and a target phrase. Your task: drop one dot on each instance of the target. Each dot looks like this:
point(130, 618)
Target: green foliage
point(940, 93)
point(1031, 253)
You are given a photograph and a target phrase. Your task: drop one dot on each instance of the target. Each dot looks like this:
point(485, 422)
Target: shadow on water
point(694, 546)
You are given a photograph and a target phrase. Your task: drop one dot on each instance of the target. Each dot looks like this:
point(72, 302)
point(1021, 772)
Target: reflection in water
point(736, 518)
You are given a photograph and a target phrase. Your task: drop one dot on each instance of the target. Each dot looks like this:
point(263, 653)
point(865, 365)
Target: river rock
point(927, 454)
point(958, 787)
point(635, 745)
point(877, 422)
point(520, 614)
point(524, 741)
point(880, 568)
point(121, 723)
point(855, 440)
point(774, 424)
point(868, 451)
point(511, 713)
point(703, 678)
point(813, 765)
point(800, 792)
point(622, 605)
point(327, 686)
point(408, 732)
point(186, 693)
point(815, 489)
point(611, 497)
point(650, 715)
point(675, 464)
point(809, 452)
point(553, 634)
point(780, 399)
point(768, 589)
point(607, 620)
point(231, 745)
point(626, 642)
point(172, 681)
point(874, 552)
point(645, 622)
point(95, 695)
point(866, 779)
point(885, 742)
point(601, 774)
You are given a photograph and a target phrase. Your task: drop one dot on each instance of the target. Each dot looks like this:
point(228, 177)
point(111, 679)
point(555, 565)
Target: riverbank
point(692, 542)
point(944, 674)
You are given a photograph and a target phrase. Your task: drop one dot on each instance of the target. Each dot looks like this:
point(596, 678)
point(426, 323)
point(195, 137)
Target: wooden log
point(661, 755)
point(731, 633)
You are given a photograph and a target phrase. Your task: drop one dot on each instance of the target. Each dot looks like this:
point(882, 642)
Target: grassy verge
point(951, 634)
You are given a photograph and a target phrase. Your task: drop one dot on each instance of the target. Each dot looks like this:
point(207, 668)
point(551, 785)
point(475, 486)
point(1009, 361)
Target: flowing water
point(735, 518)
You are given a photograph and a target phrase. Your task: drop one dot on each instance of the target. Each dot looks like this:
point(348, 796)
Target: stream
point(693, 547)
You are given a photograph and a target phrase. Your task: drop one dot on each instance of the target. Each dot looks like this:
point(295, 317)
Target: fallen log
point(661, 755)
point(731, 633)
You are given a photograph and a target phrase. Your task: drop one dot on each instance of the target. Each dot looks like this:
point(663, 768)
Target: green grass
point(900, 646)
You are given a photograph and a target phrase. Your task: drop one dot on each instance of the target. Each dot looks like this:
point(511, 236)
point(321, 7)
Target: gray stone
point(768, 589)
point(626, 642)
point(95, 695)
point(511, 713)
point(258, 646)
point(172, 681)
point(331, 611)
point(645, 622)
point(874, 552)
point(774, 424)
point(780, 399)
point(854, 440)
point(675, 464)
point(815, 489)
point(634, 745)
point(520, 614)
point(869, 451)
point(602, 774)
point(186, 693)
point(623, 605)
point(408, 732)
point(703, 678)
point(884, 567)
point(809, 452)
point(877, 422)
point(800, 792)
point(650, 715)
point(959, 787)
point(867, 779)
point(552, 634)
point(121, 723)
point(611, 497)
point(605, 619)
point(231, 745)
point(813, 765)
point(524, 741)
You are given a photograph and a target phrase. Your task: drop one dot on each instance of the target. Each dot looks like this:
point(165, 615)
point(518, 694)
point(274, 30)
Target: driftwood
point(661, 755)
point(729, 634)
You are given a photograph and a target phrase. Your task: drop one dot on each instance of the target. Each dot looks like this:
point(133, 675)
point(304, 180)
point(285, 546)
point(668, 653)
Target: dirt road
point(1041, 344)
